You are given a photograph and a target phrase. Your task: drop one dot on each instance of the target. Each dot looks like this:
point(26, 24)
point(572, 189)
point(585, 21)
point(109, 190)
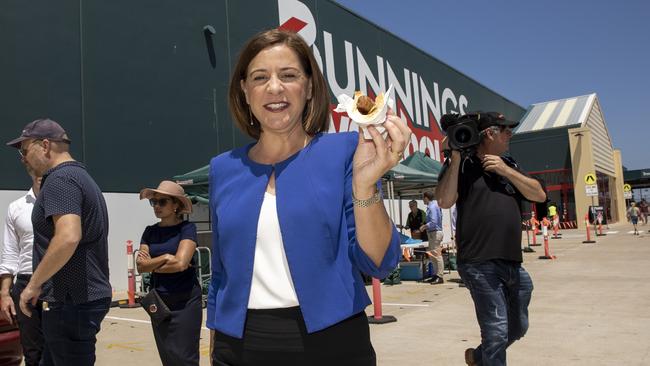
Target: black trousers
point(31, 332)
point(279, 337)
point(71, 332)
point(178, 338)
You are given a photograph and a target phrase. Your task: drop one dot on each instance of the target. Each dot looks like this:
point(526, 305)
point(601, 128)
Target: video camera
point(462, 131)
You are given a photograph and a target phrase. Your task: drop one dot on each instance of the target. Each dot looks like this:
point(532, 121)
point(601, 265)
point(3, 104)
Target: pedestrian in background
point(633, 215)
point(453, 213)
point(414, 221)
point(433, 228)
point(16, 263)
point(643, 208)
point(166, 250)
point(70, 223)
point(286, 286)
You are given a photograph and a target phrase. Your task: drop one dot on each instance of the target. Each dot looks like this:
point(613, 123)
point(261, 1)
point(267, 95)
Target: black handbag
point(154, 305)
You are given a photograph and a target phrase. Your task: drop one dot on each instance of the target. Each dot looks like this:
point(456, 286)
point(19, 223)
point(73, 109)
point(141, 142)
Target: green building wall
point(141, 87)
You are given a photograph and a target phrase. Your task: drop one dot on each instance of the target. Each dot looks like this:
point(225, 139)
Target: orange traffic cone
point(588, 241)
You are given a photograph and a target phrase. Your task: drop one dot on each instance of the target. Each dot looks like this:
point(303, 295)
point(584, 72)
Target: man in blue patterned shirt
point(433, 228)
point(70, 223)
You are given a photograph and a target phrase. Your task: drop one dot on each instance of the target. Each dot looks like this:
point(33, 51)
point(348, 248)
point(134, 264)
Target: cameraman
point(488, 189)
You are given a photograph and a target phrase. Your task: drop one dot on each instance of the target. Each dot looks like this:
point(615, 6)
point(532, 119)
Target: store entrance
point(604, 195)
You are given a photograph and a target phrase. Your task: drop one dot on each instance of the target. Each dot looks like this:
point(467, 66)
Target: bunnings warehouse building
point(566, 143)
point(141, 86)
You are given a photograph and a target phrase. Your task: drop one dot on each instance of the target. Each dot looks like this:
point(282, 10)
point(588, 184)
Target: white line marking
point(137, 320)
point(414, 305)
point(569, 236)
point(612, 232)
point(128, 320)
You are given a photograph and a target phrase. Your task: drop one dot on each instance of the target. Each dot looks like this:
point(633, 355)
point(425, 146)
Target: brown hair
point(181, 206)
point(429, 195)
point(316, 112)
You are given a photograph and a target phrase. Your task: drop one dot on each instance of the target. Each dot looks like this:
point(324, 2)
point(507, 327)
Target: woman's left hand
point(375, 157)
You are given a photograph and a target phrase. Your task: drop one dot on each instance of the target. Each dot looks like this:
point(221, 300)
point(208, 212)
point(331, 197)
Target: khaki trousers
point(435, 238)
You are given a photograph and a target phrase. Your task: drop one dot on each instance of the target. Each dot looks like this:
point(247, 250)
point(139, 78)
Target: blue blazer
point(314, 204)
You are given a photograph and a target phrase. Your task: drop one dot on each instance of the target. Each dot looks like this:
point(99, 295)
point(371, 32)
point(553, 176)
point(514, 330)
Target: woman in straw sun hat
point(166, 250)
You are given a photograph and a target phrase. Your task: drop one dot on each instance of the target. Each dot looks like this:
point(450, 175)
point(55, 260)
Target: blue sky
point(536, 51)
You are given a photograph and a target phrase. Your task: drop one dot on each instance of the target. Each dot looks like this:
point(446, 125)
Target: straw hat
point(172, 189)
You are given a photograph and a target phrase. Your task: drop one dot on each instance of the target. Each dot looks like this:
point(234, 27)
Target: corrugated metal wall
point(601, 142)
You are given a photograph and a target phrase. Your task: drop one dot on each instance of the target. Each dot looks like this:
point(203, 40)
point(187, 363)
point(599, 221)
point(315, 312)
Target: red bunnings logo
point(419, 102)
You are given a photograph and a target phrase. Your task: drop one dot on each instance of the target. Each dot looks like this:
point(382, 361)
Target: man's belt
point(24, 277)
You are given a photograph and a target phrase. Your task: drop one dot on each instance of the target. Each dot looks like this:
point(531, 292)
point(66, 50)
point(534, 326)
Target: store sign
point(627, 195)
point(418, 100)
point(627, 188)
point(591, 190)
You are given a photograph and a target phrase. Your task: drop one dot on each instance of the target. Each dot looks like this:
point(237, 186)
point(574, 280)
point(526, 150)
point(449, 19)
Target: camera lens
point(463, 135)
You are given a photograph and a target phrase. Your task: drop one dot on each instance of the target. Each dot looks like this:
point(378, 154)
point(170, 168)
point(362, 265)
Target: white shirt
point(18, 237)
point(272, 286)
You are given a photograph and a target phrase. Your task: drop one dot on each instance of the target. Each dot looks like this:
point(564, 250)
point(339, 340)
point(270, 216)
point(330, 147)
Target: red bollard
point(588, 241)
point(547, 252)
point(528, 249)
point(378, 317)
point(131, 276)
point(534, 222)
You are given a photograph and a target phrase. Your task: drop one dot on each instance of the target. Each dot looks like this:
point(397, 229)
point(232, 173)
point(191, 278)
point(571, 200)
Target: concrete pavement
point(590, 306)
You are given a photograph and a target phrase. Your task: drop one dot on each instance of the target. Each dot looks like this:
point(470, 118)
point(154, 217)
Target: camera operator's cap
point(488, 119)
point(41, 129)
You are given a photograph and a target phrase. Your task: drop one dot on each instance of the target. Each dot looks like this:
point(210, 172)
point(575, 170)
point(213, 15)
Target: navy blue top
point(165, 240)
point(68, 189)
point(314, 205)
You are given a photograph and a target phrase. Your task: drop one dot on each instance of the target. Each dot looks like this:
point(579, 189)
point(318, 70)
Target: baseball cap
point(44, 128)
point(488, 119)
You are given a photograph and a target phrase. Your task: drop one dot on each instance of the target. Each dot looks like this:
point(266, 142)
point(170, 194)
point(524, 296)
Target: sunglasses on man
point(23, 151)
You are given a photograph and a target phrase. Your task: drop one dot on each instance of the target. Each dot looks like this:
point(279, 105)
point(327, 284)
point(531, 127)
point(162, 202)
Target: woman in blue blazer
point(297, 215)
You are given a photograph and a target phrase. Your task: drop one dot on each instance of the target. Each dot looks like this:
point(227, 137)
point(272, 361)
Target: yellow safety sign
point(590, 178)
point(627, 187)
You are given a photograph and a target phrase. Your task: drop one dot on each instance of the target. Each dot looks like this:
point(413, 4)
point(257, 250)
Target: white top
point(272, 286)
point(18, 237)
